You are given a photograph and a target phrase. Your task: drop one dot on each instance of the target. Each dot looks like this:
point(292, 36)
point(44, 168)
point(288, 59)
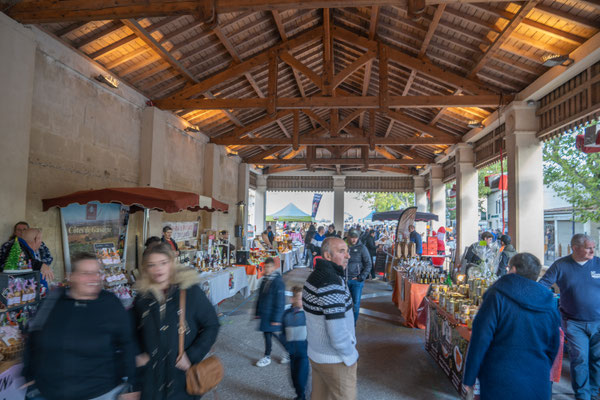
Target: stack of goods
point(209, 261)
point(424, 273)
point(462, 300)
point(258, 256)
point(11, 343)
point(405, 250)
point(19, 292)
point(283, 243)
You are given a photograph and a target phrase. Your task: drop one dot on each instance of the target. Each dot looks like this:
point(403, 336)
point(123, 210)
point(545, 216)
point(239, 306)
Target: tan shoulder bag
point(200, 378)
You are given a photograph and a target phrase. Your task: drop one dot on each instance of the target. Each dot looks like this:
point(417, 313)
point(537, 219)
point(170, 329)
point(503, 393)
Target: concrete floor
point(393, 363)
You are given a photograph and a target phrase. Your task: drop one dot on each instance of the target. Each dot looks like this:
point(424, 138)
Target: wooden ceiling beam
point(504, 36)
point(278, 169)
point(405, 171)
point(254, 126)
point(437, 15)
point(333, 161)
point(423, 66)
point(567, 16)
point(153, 71)
point(352, 68)
point(237, 70)
point(312, 140)
point(373, 22)
point(300, 67)
point(311, 114)
point(555, 33)
point(263, 154)
point(370, 102)
point(51, 11)
point(349, 118)
point(69, 28)
point(369, 66)
point(144, 35)
point(112, 47)
point(417, 125)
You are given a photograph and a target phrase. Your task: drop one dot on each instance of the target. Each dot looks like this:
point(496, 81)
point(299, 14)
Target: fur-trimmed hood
point(184, 278)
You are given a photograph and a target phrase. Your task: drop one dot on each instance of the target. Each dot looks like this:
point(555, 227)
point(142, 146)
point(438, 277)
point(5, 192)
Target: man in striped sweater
point(330, 325)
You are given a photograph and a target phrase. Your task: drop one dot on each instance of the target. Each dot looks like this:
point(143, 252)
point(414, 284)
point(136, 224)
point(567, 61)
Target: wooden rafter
point(506, 32)
point(353, 67)
point(423, 66)
point(298, 66)
point(437, 15)
point(243, 67)
point(369, 66)
point(240, 132)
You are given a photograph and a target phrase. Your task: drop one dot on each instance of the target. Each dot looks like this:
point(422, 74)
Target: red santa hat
point(442, 230)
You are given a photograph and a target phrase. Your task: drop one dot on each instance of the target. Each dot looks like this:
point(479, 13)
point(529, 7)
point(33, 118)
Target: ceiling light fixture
point(108, 80)
point(192, 128)
point(438, 151)
point(552, 60)
point(475, 124)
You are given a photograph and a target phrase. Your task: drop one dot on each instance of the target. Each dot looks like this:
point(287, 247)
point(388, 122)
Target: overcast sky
point(303, 200)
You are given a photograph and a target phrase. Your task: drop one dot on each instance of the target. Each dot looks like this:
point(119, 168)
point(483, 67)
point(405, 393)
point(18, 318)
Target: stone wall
point(84, 135)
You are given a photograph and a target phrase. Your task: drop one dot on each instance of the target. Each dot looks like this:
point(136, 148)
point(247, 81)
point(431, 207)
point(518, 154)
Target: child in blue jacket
point(269, 309)
point(294, 331)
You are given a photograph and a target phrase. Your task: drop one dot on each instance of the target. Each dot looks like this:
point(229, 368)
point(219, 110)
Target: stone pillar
point(438, 196)
point(152, 159)
point(260, 205)
point(420, 201)
point(17, 66)
point(339, 186)
point(242, 197)
point(467, 199)
point(525, 179)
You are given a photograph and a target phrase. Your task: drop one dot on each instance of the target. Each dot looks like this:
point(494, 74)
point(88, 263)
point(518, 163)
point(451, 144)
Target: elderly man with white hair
point(578, 278)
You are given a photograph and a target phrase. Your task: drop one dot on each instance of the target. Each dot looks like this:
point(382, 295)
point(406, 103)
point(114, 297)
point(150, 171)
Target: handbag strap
point(181, 328)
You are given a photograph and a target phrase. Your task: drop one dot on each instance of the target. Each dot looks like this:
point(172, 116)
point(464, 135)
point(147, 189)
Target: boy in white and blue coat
point(294, 331)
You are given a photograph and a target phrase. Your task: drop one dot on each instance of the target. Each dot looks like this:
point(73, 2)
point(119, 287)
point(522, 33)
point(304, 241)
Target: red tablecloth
point(408, 297)
point(259, 270)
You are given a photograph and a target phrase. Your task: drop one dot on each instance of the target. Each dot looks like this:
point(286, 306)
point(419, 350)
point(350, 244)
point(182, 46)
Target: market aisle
point(393, 363)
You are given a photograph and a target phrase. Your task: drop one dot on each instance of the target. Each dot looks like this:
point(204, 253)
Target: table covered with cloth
point(224, 284)
point(291, 258)
point(254, 272)
point(408, 296)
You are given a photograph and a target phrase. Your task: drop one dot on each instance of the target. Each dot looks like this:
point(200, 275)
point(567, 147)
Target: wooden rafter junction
point(48, 11)
point(367, 102)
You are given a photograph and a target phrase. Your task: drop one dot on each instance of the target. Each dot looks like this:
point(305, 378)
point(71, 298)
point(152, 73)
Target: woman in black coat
point(156, 313)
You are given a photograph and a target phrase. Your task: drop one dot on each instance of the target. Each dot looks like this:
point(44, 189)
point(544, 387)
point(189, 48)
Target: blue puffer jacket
point(514, 341)
point(271, 302)
point(294, 332)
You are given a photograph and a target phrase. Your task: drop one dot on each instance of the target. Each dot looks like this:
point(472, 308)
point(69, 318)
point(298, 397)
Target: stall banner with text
point(95, 227)
point(183, 230)
point(315, 204)
point(447, 347)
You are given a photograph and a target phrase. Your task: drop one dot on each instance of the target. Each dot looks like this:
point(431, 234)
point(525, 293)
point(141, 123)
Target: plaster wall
point(84, 135)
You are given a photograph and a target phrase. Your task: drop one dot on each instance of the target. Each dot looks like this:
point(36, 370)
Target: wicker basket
point(13, 352)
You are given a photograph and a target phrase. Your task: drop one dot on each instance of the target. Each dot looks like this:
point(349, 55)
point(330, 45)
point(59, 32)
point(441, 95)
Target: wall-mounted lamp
point(438, 151)
point(192, 128)
point(475, 124)
point(531, 102)
point(108, 80)
point(231, 153)
point(552, 60)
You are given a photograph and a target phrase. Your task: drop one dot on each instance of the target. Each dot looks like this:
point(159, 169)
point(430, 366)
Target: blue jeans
point(583, 341)
point(356, 289)
point(299, 368)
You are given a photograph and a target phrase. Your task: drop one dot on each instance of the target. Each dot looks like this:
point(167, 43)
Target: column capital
point(339, 181)
point(261, 183)
point(520, 116)
point(464, 154)
point(436, 171)
point(419, 182)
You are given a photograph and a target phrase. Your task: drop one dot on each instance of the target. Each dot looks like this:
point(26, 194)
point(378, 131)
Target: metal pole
point(145, 227)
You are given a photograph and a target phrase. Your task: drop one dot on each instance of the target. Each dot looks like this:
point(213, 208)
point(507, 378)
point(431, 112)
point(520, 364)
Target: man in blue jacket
point(578, 278)
point(515, 336)
point(359, 267)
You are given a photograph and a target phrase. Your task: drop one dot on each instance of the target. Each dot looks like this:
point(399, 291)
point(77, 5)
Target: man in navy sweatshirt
point(578, 278)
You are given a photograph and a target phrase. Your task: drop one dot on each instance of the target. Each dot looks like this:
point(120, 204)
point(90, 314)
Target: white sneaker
point(285, 359)
point(263, 362)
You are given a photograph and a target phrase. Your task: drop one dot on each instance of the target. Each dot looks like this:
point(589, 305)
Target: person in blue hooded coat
point(515, 336)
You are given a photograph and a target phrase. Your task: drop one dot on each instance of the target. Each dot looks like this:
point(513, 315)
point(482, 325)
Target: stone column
point(420, 201)
point(17, 66)
point(525, 179)
point(339, 186)
point(210, 182)
point(260, 205)
point(152, 159)
point(438, 196)
point(243, 188)
point(467, 198)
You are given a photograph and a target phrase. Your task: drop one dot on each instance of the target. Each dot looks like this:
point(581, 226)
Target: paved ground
point(393, 363)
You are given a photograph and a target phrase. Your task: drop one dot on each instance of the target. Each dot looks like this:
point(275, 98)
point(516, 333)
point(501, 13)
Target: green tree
point(450, 203)
point(379, 201)
point(14, 257)
point(573, 175)
point(484, 191)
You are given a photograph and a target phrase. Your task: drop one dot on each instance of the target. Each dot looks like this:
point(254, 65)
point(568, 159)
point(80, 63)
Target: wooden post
point(273, 72)
point(334, 122)
point(384, 101)
point(372, 129)
point(296, 133)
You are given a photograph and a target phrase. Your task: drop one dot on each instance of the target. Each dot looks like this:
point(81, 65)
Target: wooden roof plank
point(504, 36)
point(437, 15)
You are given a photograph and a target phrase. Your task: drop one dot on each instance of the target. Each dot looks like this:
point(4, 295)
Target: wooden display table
point(408, 296)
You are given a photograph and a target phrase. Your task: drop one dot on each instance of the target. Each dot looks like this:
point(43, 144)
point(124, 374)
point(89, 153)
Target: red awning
point(139, 198)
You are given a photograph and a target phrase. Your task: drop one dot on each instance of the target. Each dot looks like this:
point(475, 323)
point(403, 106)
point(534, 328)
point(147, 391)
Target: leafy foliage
point(450, 203)
point(574, 176)
point(484, 191)
point(379, 201)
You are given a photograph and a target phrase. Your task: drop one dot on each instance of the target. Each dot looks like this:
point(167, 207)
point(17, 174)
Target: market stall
point(408, 296)
point(290, 245)
point(224, 284)
point(255, 269)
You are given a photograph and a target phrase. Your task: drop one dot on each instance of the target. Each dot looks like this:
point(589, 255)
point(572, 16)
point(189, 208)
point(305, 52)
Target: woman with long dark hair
point(157, 319)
